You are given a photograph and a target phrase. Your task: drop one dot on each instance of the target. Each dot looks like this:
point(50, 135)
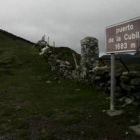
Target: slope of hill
point(14, 37)
point(35, 106)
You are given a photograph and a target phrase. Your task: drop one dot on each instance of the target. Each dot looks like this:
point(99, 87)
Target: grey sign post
point(112, 82)
point(121, 38)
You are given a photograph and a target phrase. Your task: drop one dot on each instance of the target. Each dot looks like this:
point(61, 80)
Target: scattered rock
point(126, 133)
point(128, 100)
point(48, 82)
point(77, 89)
point(67, 63)
point(58, 61)
point(43, 50)
point(97, 78)
point(103, 111)
point(122, 99)
point(132, 121)
point(125, 73)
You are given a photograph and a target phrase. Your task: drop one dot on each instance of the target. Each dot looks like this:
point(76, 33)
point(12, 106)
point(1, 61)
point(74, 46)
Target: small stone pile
point(59, 67)
point(99, 76)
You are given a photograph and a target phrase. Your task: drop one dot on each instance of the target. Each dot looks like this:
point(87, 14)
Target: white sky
point(65, 21)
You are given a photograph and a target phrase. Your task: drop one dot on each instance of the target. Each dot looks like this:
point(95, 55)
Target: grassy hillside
point(14, 37)
point(34, 109)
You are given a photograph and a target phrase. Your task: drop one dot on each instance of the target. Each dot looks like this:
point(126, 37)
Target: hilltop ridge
point(14, 37)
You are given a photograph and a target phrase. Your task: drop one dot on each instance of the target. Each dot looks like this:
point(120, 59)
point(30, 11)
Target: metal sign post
point(112, 82)
point(112, 111)
point(121, 38)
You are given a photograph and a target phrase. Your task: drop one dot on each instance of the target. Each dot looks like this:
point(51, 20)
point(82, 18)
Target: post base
point(114, 112)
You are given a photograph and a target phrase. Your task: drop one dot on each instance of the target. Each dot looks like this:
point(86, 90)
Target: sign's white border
point(117, 25)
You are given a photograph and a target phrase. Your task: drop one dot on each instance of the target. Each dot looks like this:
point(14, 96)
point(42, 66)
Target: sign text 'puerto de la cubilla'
point(124, 37)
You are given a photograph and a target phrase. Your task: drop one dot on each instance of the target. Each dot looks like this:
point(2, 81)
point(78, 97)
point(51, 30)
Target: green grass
point(31, 109)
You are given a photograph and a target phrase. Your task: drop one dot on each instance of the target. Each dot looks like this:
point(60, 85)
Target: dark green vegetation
point(14, 37)
point(65, 54)
point(32, 109)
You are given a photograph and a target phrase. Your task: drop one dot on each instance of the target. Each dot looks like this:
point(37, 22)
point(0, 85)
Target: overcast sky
point(65, 21)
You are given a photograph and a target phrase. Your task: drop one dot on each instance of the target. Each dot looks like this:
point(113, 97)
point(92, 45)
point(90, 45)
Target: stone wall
point(89, 72)
point(61, 68)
